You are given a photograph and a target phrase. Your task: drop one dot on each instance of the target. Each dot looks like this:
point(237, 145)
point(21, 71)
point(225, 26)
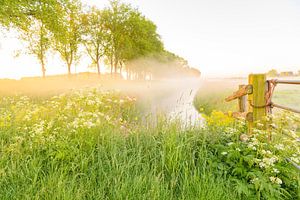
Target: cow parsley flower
point(276, 180)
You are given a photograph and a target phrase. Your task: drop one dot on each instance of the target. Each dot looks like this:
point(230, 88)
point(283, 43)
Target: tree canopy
point(120, 35)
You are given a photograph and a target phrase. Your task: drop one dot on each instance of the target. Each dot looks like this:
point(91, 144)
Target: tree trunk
point(111, 66)
point(127, 73)
point(98, 68)
point(116, 66)
point(69, 69)
point(44, 71)
point(116, 69)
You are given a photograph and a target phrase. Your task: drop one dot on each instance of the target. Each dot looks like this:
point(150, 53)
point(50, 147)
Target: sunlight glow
point(221, 38)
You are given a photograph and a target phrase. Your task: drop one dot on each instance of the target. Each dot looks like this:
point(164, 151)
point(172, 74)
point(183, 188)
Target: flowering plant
point(258, 167)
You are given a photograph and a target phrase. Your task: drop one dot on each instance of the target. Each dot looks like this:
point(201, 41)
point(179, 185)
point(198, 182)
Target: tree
point(115, 17)
point(94, 36)
point(35, 20)
point(67, 35)
point(131, 35)
point(272, 73)
point(38, 42)
point(36, 32)
point(19, 13)
point(15, 12)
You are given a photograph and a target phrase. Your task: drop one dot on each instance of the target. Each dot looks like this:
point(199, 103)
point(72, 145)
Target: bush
point(257, 167)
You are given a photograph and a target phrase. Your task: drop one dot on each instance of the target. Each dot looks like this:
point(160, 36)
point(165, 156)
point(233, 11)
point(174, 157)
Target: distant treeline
point(275, 73)
point(119, 35)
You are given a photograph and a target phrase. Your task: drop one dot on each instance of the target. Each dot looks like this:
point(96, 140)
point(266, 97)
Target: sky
point(219, 37)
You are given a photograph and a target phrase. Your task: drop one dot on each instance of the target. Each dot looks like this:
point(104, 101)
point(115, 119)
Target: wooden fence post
point(257, 101)
point(242, 101)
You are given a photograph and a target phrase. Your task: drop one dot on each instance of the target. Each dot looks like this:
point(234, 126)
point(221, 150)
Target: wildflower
point(260, 125)
point(264, 152)
point(89, 124)
point(107, 118)
point(253, 180)
point(276, 180)
point(267, 162)
point(121, 101)
point(90, 102)
point(251, 146)
point(262, 165)
point(238, 149)
point(279, 146)
point(295, 159)
point(123, 128)
point(276, 171)
point(224, 153)
point(244, 137)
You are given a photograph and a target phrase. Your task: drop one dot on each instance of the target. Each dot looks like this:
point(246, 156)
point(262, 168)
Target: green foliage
point(67, 35)
point(272, 73)
point(15, 12)
point(90, 145)
point(211, 98)
point(257, 167)
point(94, 35)
point(130, 34)
point(119, 34)
point(37, 35)
point(94, 145)
point(19, 13)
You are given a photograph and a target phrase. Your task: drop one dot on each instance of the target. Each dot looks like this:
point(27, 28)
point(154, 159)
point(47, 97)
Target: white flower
point(238, 149)
point(276, 180)
point(121, 101)
point(253, 180)
point(268, 162)
point(295, 159)
point(89, 124)
point(279, 146)
point(276, 171)
point(224, 153)
point(251, 146)
point(262, 165)
point(90, 102)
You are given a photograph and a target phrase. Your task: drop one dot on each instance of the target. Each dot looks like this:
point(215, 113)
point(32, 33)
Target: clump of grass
point(206, 101)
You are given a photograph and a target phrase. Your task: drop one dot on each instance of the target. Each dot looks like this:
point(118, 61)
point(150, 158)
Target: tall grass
point(48, 156)
point(163, 163)
point(96, 145)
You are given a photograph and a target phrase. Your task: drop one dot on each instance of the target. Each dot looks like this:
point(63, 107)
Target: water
point(178, 105)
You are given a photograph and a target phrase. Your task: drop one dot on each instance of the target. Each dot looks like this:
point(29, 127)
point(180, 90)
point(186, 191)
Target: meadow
point(95, 144)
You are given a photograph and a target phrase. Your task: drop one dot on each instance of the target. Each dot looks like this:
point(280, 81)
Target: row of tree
point(119, 35)
point(275, 73)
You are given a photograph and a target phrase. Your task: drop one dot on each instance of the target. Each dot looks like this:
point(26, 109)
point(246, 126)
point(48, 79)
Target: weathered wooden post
point(242, 101)
point(257, 101)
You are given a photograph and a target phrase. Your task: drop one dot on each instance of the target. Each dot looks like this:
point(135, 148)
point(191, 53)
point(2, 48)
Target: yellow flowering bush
point(218, 119)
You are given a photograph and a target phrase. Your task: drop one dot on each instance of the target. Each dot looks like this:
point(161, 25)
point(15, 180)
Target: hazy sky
point(220, 37)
